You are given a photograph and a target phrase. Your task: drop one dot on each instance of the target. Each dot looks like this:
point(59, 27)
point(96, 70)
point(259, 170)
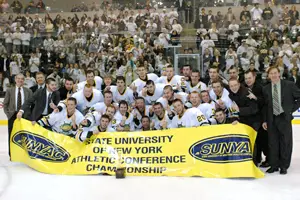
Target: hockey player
point(65, 122)
point(206, 108)
point(140, 83)
point(146, 123)
point(161, 117)
point(124, 119)
point(103, 126)
point(152, 92)
point(92, 119)
point(191, 117)
point(218, 91)
point(91, 79)
point(101, 106)
point(169, 96)
point(220, 95)
point(175, 81)
point(121, 92)
point(139, 111)
point(87, 98)
point(195, 84)
point(222, 119)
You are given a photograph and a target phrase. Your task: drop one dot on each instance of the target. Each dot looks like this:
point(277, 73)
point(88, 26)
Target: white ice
point(19, 182)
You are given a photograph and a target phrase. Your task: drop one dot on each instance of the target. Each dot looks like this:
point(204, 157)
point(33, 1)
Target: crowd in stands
point(17, 7)
point(263, 37)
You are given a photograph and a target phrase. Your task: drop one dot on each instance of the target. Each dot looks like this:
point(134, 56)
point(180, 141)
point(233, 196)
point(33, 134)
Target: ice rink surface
point(19, 182)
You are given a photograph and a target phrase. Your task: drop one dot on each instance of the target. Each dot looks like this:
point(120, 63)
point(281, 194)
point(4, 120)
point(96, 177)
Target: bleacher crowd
point(114, 72)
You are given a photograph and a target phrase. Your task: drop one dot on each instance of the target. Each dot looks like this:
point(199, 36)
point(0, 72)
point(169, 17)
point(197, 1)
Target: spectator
point(4, 83)
point(256, 13)
point(4, 6)
point(16, 6)
point(229, 17)
point(40, 6)
point(294, 15)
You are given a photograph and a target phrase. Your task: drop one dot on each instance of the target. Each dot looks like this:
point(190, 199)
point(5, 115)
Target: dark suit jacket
point(290, 100)
point(38, 102)
point(183, 5)
point(257, 90)
point(9, 102)
point(297, 81)
point(63, 92)
point(248, 113)
point(2, 64)
point(34, 88)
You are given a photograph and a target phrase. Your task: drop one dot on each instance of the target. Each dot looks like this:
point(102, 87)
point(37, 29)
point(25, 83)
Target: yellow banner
point(223, 151)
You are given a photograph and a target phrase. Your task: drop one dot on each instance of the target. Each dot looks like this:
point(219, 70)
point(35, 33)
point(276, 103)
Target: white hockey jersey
point(214, 97)
point(97, 84)
point(83, 104)
point(192, 117)
point(183, 96)
point(140, 84)
point(208, 110)
point(127, 95)
point(158, 93)
point(158, 122)
point(139, 116)
point(129, 124)
point(61, 123)
point(82, 134)
point(199, 87)
point(101, 107)
point(93, 118)
point(175, 80)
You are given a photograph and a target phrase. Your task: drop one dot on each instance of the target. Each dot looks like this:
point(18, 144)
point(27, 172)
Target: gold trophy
point(121, 169)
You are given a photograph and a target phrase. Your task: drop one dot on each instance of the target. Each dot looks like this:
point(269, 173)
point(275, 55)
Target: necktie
point(49, 98)
point(19, 101)
point(48, 102)
point(276, 108)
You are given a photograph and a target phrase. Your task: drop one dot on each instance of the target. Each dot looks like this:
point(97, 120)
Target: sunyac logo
point(222, 149)
point(39, 147)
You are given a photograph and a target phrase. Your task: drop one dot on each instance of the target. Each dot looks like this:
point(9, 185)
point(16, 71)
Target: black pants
point(256, 127)
point(10, 128)
point(261, 145)
point(280, 134)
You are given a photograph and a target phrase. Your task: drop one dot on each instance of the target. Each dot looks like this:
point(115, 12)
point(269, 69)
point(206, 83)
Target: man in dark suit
point(180, 5)
point(40, 80)
point(68, 89)
point(282, 98)
point(43, 101)
point(221, 118)
point(4, 65)
point(256, 93)
point(13, 101)
point(247, 108)
point(295, 77)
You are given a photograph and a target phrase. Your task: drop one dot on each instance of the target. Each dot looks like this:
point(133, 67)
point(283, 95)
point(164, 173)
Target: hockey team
point(149, 103)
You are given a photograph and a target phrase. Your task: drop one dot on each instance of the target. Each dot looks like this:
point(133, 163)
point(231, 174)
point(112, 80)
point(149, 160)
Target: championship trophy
point(121, 169)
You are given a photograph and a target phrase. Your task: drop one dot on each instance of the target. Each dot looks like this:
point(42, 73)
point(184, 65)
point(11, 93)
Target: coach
point(282, 98)
point(15, 97)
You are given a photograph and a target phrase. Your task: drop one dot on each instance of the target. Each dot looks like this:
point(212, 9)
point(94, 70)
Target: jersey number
point(200, 118)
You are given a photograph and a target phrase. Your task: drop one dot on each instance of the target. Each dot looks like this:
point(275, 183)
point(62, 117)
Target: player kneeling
point(65, 122)
point(103, 126)
point(191, 117)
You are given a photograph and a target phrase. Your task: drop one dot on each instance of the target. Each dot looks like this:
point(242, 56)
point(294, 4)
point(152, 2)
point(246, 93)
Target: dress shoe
point(265, 164)
point(283, 171)
point(272, 170)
